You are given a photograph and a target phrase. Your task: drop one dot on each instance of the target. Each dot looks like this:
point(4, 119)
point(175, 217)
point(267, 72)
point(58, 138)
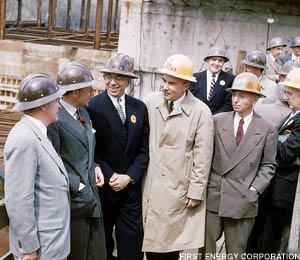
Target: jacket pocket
point(50, 224)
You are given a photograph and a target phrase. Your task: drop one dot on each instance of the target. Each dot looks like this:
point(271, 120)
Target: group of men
point(170, 176)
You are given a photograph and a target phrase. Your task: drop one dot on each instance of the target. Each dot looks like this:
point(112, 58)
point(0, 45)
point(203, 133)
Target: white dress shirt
point(114, 100)
point(247, 121)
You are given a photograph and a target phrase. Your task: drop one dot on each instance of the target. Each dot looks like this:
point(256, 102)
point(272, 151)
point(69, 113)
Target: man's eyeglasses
point(118, 79)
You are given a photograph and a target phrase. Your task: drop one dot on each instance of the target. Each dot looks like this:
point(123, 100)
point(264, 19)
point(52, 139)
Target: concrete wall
point(152, 30)
point(18, 59)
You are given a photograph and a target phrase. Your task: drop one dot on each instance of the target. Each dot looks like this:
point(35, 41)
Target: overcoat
point(236, 168)
point(181, 146)
point(36, 194)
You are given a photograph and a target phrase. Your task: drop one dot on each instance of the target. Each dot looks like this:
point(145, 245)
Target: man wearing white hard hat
point(181, 145)
point(242, 167)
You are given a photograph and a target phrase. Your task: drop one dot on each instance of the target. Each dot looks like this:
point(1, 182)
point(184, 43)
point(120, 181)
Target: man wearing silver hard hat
point(280, 196)
point(212, 83)
point(255, 63)
point(73, 139)
point(242, 167)
point(273, 64)
point(294, 55)
point(36, 181)
point(122, 129)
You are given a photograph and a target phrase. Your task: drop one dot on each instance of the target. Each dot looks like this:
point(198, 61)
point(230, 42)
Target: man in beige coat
point(181, 146)
point(243, 165)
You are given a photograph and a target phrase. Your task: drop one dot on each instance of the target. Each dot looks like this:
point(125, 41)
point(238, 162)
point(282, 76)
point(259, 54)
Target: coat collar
point(45, 142)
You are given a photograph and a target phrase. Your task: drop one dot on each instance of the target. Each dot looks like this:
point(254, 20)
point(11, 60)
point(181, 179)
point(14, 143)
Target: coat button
point(19, 243)
point(243, 196)
point(251, 164)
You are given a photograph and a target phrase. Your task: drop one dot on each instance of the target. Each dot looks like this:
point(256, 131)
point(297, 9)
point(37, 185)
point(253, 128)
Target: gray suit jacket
point(36, 194)
point(75, 144)
point(234, 169)
point(273, 67)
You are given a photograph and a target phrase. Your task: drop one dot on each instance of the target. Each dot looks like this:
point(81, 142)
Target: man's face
point(84, 96)
point(116, 84)
point(276, 51)
point(296, 51)
point(243, 102)
point(292, 97)
point(173, 88)
point(256, 71)
point(51, 110)
point(215, 64)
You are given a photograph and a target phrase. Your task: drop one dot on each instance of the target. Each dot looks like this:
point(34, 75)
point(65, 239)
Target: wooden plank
point(2, 19)
point(239, 66)
point(98, 24)
point(4, 241)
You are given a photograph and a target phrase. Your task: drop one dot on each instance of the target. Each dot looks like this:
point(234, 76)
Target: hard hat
point(75, 75)
point(216, 51)
point(275, 42)
point(293, 78)
point(288, 66)
point(120, 64)
point(295, 42)
point(255, 59)
point(247, 82)
point(37, 89)
point(179, 66)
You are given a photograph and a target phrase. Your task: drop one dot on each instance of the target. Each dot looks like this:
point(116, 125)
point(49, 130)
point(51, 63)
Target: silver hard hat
point(255, 59)
point(37, 89)
point(288, 66)
point(216, 51)
point(275, 42)
point(295, 42)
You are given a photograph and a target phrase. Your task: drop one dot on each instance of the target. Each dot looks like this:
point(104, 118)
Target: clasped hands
point(119, 181)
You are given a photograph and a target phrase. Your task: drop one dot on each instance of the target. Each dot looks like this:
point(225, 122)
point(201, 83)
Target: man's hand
point(190, 203)
point(119, 181)
point(253, 189)
point(29, 256)
point(99, 177)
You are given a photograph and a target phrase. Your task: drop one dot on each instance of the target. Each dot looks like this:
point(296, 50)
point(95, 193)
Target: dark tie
point(212, 86)
point(120, 110)
point(80, 117)
point(240, 132)
point(171, 106)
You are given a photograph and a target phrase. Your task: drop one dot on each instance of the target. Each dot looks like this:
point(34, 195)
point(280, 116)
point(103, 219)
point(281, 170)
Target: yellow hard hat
point(179, 66)
point(293, 78)
point(247, 82)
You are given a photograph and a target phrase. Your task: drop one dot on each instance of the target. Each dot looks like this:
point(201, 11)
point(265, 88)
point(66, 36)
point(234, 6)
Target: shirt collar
point(247, 119)
point(115, 99)
point(38, 123)
point(210, 74)
point(69, 108)
point(177, 102)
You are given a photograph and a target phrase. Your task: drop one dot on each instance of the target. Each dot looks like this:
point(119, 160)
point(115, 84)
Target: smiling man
point(243, 165)
point(181, 147)
point(122, 129)
point(212, 83)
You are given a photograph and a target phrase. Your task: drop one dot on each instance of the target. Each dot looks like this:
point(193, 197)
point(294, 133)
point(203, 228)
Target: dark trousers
point(125, 214)
point(87, 239)
point(163, 256)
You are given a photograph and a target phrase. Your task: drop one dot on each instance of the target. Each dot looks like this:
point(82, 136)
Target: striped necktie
point(212, 86)
point(120, 110)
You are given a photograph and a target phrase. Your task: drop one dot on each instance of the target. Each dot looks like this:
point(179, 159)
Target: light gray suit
point(234, 170)
point(273, 67)
point(36, 194)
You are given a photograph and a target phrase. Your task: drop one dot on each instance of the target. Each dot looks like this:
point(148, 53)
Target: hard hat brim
point(271, 47)
point(291, 84)
point(22, 106)
point(211, 56)
point(76, 86)
point(115, 71)
point(245, 62)
point(177, 75)
point(243, 90)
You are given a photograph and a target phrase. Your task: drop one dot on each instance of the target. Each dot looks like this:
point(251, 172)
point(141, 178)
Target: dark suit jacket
point(221, 99)
point(75, 145)
point(236, 168)
point(285, 58)
point(283, 186)
point(111, 152)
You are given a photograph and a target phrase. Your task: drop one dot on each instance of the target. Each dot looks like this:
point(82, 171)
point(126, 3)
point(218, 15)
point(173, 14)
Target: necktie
point(80, 117)
point(240, 132)
point(120, 111)
point(171, 106)
point(212, 85)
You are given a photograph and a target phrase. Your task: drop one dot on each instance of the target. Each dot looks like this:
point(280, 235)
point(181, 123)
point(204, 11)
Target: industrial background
point(42, 35)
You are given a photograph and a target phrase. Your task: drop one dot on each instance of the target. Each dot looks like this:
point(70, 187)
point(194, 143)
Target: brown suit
point(231, 206)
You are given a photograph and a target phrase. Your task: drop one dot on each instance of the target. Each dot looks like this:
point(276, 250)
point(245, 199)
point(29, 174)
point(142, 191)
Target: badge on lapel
point(133, 119)
point(290, 122)
point(222, 83)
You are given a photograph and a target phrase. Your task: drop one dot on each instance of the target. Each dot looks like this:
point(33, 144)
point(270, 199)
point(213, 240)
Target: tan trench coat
point(181, 146)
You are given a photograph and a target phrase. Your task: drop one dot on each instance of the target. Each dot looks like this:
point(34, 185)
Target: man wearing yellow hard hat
point(242, 167)
point(280, 196)
point(180, 148)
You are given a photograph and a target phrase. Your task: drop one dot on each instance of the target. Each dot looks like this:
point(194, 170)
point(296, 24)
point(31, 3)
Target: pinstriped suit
point(75, 144)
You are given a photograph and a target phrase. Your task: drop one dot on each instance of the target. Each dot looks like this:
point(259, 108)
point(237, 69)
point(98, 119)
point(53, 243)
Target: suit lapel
point(45, 142)
point(249, 142)
point(290, 122)
point(131, 117)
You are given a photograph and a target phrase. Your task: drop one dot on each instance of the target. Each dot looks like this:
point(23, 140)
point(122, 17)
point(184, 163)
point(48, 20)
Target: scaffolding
point(48, 32)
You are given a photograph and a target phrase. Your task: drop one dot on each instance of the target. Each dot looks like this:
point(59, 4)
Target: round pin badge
point(133, 119)
point(222, 83)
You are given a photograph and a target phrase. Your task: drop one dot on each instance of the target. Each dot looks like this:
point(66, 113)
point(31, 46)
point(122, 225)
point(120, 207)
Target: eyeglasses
point(118, 79)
